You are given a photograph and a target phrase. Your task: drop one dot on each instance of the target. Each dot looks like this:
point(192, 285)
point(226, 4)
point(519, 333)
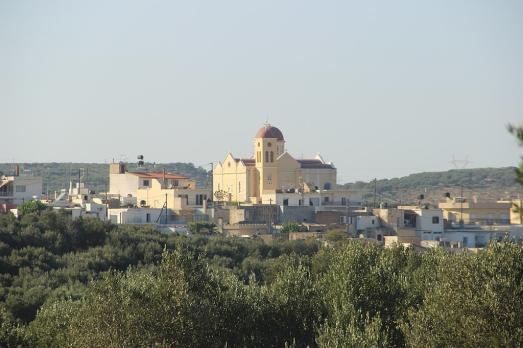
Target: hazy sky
point(381, 88)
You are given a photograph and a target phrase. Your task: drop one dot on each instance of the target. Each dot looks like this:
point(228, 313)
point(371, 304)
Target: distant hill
point(489, 183)
point(57, 175)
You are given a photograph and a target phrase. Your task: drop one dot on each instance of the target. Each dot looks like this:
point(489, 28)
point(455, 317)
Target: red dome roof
point(269, 131)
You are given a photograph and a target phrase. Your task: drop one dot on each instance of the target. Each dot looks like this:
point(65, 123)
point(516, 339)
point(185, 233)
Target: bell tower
point(269, 143)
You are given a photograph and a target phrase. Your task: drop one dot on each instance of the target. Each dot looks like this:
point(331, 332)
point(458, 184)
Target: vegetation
point(202, 227)
point(335, 235)
point(290, 227)
point(220, 195)
point(86, 283)
point(31, 207)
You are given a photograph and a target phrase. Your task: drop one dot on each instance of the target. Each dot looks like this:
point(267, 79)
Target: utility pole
point(347, 218)
point(461, 207)
point(375, 190)
point(212, 182)
point(270, 215)
point(165, 208)
point(460, 164)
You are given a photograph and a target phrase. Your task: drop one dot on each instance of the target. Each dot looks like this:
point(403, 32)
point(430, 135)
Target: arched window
point(266, 156)
point(272, 156)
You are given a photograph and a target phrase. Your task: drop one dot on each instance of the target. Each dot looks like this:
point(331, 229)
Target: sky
point(380, 88)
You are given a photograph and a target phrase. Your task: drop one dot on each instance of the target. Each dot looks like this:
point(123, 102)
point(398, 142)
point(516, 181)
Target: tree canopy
point(84, 283)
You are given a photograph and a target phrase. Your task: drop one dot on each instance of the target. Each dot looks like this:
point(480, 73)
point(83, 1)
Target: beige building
point(272, 175)
point(155, 189)
point(476, 211)
point(516, 212)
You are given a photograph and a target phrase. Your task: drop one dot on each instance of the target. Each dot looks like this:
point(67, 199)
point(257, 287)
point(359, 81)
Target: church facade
point(272, 175)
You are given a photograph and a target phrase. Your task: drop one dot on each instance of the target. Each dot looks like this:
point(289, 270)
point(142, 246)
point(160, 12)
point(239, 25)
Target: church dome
point(269, 131)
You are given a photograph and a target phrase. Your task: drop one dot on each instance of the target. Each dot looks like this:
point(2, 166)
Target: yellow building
point(272, 175)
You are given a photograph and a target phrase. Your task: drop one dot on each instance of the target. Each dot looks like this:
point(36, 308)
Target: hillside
point(96, 175)
point(491, 183)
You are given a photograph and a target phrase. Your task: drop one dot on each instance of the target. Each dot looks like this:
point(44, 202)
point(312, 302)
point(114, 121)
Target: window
point(327, 186)
point(272, 156)
point(286, 202)
point(146, 183)
point(200, 199)
point(269, 179)
point(266, 156)
point(258, 144)
point(147, 217)
point(20, 188)
point(372, 221)
point(258, 156)
point(175, 183)
point(435, 219)
point(239, 186)
point(269, 144)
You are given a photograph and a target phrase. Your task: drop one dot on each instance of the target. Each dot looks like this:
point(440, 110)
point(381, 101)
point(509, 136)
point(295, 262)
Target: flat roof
point(158, 175)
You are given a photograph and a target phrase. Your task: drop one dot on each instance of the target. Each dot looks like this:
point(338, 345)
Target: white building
point(136, 215)
point(17, 189)
point(80, 201)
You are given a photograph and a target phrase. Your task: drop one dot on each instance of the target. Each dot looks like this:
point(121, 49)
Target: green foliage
point(290, 227)
point(31, 207)
point(86, 283)
point(12, 333)
point(474, 301)
point(220, 195)
point(335, 235)
point(365, 284)
point(202, 227)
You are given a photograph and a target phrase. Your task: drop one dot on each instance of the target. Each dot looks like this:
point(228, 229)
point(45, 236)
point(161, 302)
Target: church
point(272, 175)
